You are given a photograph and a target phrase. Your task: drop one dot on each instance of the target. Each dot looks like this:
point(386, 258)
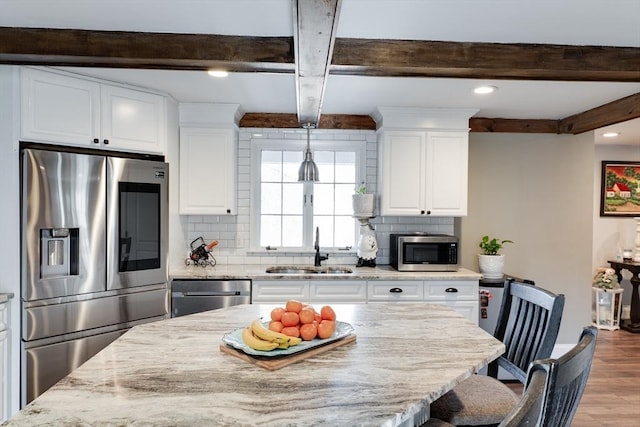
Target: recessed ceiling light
point(483, 90)
point(611, 134)
point(218, 73)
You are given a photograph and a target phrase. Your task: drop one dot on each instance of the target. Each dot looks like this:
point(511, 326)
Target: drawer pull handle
point(451, 290)
point(395, 290)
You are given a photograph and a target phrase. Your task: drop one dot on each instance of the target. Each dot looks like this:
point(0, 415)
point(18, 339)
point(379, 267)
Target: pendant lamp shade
point(308, 170)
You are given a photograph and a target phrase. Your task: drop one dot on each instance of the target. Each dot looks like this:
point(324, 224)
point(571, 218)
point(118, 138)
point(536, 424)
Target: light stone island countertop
point(172, 373)
point(258, 272)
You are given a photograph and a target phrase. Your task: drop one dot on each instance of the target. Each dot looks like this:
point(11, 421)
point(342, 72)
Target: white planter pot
point(363, 205)
point(491, 266)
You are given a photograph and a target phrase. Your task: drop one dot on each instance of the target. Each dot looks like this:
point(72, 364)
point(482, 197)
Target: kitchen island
point(172, 372)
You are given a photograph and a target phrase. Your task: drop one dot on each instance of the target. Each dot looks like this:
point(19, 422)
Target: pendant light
point(308, 170)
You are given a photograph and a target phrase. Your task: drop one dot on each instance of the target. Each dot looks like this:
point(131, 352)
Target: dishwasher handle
point(208, 294)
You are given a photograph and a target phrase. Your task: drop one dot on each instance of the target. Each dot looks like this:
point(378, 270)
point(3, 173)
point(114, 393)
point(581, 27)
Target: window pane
point(270, 230)
point(345, 166)
point(292, 230)
point(271, 166)
point(292, 199)
point(291, 164)
point(270, 198)
point(344, 231)
point(343, 199)
point(282, 211)
point(325, 162)
point(323, 199)
point(326, 230)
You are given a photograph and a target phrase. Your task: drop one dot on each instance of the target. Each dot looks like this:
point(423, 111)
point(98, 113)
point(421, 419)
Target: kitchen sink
point(308, 270)
point(336, 270)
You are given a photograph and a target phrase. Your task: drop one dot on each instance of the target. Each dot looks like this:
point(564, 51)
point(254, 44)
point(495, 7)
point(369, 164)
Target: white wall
point(609, 233)
point(537, 191)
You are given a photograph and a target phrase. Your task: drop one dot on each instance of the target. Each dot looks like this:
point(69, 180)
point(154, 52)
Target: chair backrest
point(528, 326)
point(554, 387)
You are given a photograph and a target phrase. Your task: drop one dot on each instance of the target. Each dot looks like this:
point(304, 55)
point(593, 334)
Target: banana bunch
point(260, 338)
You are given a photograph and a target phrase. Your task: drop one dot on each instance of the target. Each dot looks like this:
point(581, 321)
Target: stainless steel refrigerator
point(94, 256)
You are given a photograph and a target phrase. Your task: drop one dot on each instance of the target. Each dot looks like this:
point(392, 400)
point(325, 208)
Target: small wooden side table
point(633, 325)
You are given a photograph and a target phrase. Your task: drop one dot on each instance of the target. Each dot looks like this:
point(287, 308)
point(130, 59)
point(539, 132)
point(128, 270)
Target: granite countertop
point(257, 272)
point(172, 372)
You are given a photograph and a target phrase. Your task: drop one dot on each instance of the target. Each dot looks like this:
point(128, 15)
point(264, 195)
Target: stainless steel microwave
point(423, 252)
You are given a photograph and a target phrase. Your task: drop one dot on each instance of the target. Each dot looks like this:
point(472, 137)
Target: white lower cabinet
point(321, 291)
point(461, 295)
point(338, 291)
point(468, 309)
point(279, 291)
point(394, 290)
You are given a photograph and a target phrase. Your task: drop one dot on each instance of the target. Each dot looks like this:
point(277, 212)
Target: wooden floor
point(612, 396)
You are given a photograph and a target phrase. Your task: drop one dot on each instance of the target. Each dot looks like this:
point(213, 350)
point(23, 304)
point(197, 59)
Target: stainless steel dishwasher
point(190, 296)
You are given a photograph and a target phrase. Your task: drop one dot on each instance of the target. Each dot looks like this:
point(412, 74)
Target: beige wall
point(536, 190)
point(611, 234)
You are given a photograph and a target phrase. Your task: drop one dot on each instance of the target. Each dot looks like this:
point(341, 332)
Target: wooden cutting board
point(275, 363)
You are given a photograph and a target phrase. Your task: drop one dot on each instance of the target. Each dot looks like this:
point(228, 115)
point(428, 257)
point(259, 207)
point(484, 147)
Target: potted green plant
point(363, 202)
point(490, 261)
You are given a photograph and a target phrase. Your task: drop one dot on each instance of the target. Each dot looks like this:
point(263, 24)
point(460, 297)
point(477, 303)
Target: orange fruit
point(308, 331)
point(307, 315)
point(327, 313)
point(289, 318)
point(291, 331)
point(293, 305)
point(276, 326)
point(326, 328)
point(276, 314)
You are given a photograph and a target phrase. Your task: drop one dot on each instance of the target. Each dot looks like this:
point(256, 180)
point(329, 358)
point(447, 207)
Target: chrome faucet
point(319, 258)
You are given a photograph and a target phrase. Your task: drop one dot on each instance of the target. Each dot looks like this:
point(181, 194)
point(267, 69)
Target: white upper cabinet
point(207, 171)
point(446, 178)
point(60, 109)
point(133, 120)
point(423, 161)
point(208, 158)
point(64, 109)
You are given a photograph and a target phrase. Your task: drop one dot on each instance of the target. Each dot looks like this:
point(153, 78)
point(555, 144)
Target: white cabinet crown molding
point(423, 118)
point(209, 114)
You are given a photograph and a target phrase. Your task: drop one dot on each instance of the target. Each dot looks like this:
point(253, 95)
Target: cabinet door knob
point(395, 290)
point(428, 212)
point(106, 141)
point(96, 141)
point(451, 290)
point(421, 212)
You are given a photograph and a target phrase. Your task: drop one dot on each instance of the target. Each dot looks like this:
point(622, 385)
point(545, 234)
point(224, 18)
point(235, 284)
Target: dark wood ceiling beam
point(327, 121)
point(121, 49)
point(485, 60)
point(483, 124)
point(618, 111)
point(315, 26)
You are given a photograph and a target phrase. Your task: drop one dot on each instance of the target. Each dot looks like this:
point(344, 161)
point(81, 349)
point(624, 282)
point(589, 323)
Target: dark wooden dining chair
point(528, 326)
point(553, 388)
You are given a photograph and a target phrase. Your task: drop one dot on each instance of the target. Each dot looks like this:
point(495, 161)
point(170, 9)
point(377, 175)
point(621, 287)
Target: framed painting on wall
point(620, 189)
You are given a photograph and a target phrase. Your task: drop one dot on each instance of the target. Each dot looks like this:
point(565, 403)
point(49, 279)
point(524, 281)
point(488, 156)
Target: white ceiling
point(577, 22)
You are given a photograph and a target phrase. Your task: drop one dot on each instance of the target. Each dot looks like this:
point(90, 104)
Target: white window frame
point(258, 145)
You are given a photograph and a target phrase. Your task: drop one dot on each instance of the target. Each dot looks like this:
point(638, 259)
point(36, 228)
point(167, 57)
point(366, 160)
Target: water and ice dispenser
point(59, 252)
